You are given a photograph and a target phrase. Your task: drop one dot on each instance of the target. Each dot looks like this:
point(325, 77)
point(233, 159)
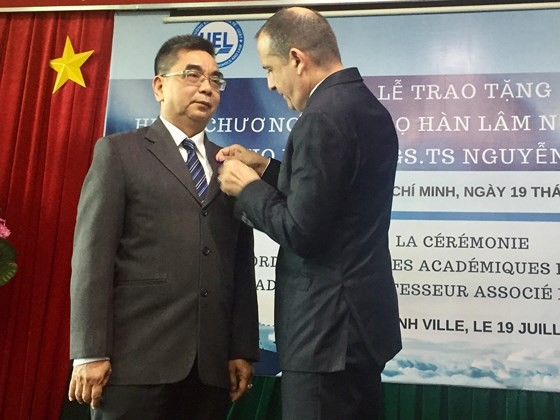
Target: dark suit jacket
point(330, 214)
point(158, 278)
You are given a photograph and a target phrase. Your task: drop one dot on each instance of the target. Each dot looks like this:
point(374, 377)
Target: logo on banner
point(227, 37)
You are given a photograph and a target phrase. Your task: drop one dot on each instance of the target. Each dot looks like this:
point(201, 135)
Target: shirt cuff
point(266, 167)
point(85, 360)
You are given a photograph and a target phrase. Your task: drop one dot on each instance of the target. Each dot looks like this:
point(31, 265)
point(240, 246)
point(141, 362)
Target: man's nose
point(270, 82)
point(205, 85)
point(271, 85)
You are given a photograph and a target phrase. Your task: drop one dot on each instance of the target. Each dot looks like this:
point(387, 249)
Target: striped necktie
point(195, 168)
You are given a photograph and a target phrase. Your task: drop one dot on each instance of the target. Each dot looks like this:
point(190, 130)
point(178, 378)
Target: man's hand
point(87, 382)
point(248, 157)
point(240, 377)
point(234, 176)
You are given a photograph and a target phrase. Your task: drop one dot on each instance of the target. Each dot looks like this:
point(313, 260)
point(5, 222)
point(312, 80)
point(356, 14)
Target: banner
point(475, 99)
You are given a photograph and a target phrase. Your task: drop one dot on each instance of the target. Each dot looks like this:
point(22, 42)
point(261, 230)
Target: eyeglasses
point(195, 77)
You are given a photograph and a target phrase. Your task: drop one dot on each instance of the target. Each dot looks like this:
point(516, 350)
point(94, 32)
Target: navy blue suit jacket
point(330, 212)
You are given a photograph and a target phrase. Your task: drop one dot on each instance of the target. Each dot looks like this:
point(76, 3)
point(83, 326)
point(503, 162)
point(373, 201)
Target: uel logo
point(227, 38)
point(220, 41)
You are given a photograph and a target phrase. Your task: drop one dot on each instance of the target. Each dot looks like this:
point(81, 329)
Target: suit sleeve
point(321, 167)
point(245, 330)
point(96, 239)
point(270, 175)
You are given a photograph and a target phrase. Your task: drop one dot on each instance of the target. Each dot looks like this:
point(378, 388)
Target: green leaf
point(8, 267)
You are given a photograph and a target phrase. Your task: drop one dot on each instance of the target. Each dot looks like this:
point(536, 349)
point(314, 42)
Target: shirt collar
point(179, 136)
point(315, 88)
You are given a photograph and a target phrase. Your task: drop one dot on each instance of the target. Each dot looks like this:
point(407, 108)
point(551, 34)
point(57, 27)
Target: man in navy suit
point(328, 205)
point(163, 301)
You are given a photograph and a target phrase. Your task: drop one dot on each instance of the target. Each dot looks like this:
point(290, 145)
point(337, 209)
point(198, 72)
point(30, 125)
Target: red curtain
point(46, 143)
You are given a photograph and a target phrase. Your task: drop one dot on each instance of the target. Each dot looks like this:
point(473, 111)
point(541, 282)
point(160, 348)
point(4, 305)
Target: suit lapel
point(162, 146)
point(213, 187)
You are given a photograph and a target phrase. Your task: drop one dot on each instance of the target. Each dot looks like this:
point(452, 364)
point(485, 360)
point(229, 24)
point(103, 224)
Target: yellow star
point(68, 66)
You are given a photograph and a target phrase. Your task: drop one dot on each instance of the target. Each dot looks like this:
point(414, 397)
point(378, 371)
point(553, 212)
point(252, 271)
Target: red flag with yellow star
point(55, 76)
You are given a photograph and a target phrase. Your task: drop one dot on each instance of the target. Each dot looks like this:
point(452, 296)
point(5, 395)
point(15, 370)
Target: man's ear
point(157, 86)
point(298, 59)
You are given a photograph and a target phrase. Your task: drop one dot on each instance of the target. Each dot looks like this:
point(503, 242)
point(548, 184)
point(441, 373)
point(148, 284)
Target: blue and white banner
point(476, 101)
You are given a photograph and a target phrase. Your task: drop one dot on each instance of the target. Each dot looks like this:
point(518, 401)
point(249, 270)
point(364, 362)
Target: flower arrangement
point(8, 267)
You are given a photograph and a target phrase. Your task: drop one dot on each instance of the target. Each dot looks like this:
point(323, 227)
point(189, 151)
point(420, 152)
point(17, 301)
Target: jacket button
point(204, 213)
point(203, 292)
point(205, 251)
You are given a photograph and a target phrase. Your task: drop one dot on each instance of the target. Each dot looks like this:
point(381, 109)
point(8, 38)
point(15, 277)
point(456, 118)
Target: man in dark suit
point(163, 300)
point(328, 206)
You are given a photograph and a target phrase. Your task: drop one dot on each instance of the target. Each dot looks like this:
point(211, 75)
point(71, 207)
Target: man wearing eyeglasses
point(163, 300)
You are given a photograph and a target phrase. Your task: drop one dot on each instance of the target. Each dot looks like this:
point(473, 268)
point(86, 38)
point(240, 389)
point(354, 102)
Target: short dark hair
point(167, 54)
point(309, 32)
